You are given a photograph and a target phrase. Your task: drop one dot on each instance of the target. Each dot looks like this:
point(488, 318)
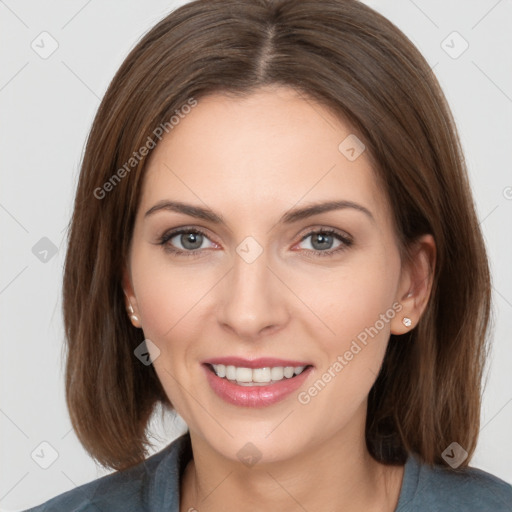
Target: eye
point(190, 242)
point(323, 240)
point(184, 241)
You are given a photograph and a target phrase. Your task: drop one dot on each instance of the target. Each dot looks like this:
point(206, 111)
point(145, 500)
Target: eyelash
point(164, 239)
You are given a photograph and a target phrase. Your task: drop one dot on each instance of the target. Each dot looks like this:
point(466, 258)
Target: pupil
point(191, 240)
point(323, 238)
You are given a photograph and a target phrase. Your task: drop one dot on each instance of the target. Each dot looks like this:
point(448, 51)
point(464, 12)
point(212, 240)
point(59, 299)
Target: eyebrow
point(289, 217)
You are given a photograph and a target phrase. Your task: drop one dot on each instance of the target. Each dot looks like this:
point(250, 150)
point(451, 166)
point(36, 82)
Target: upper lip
point(261, 362)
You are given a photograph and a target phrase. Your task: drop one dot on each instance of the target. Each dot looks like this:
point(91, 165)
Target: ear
point(415, 284)
point(130, 299)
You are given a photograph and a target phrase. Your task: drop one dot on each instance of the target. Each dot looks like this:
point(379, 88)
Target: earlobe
point(135, 321)
point(416, 284)
point(130, 300)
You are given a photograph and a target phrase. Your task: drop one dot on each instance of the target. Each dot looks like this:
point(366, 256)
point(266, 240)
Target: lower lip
point(254, 396)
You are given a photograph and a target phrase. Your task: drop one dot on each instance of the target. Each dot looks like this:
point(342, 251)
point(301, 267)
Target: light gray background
point(47, 109)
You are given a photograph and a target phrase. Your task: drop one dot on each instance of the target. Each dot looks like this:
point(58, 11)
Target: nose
point(253, 301)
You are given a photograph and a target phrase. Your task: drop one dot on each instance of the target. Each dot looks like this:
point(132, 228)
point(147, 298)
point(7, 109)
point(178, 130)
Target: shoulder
point(440, 488)
point(138, 488)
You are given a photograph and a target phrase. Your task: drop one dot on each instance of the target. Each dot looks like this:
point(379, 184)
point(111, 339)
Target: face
point(250, 280)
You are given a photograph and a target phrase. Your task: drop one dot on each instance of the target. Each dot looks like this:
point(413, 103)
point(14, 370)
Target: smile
point(255, 383)
point(256, 376)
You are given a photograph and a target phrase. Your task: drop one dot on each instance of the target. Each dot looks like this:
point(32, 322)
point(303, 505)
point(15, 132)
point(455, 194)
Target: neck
point(336, 473)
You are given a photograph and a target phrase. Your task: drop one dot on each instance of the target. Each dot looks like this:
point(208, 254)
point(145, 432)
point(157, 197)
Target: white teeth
point(261, 375)
point(289, 372)
point(230, 372)
point(256, 376)
point(243, 375)
point(277, 373)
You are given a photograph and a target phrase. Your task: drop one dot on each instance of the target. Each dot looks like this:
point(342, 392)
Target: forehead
point(269, 150)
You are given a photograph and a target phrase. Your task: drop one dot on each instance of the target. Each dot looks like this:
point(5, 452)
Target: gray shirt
point(154, 486)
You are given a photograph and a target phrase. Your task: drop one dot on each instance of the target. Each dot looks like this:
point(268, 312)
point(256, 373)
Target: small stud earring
point(406, 321)
point(135, 320)
point(133, 317)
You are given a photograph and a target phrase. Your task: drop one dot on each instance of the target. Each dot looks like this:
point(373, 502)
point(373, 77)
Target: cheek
point(168, 299)
point(358, 308)
point(158, 304)
point(357, 303)
point(166, 293)
point(353, 298)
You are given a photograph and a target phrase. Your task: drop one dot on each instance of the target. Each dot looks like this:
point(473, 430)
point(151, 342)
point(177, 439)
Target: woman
point(272, 235)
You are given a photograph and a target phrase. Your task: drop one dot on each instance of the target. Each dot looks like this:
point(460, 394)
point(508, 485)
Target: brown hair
point(349, 58)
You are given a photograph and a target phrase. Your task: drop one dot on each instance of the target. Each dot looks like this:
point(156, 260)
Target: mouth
point(263, 376)
point(255, 383)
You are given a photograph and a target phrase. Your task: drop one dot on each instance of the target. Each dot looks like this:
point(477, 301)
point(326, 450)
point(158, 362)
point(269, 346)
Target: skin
point(251, 160)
